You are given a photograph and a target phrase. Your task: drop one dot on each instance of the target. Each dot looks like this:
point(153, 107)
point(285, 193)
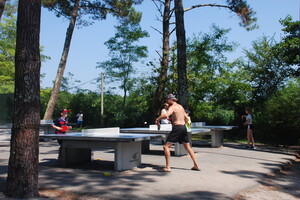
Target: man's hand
point(157, 121)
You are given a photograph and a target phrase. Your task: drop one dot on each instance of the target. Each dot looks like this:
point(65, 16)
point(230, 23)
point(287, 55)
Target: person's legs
point(248, 136)
point(251, 137)
point(167, 156)
point(192, 154)
point(79, 124)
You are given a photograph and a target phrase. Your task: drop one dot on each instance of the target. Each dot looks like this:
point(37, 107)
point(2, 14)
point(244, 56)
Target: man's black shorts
point(178, 134)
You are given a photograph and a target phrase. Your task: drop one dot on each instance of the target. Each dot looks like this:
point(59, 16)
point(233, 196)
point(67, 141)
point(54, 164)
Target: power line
point(86, 82)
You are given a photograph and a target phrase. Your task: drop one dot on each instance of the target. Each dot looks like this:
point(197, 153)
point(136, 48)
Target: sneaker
point(247, 147)
point(252, 147)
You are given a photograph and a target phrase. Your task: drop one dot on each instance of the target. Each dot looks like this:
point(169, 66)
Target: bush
point(279, 120)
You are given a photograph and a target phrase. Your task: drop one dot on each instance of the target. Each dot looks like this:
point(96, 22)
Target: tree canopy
point(289, 47)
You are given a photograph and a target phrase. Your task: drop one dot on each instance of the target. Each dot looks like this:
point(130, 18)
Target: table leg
point(179, 148)
point(217, 139)
point(127, 155)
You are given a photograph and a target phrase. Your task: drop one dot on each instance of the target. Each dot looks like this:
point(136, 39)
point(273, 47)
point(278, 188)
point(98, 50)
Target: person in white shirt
point(79, 119)
point(164, 111)
point(249, 125)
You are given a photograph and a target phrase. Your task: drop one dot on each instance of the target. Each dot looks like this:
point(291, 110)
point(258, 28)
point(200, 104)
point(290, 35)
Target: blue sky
point(87, 46)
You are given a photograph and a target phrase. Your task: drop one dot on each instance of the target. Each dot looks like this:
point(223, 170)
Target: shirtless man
point(178, 133)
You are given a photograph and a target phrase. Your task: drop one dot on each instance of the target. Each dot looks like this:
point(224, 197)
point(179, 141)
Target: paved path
point(225, 172)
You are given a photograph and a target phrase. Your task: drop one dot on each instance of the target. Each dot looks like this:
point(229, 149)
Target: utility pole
point(102, 99)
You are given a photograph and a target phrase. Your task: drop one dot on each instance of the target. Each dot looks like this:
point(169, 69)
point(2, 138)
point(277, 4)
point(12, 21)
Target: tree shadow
point(287, 179)
point(262, 148)
point(285, 176)
point(205, 195)
point(125, 183)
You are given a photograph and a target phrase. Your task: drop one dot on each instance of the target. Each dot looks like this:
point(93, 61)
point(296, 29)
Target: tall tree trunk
point(22, 178)
point(2, 6)
point(159, 93)
point(181, 55)
point(62, 65)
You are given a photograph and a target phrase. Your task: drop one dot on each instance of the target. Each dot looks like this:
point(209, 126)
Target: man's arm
point(186, 118)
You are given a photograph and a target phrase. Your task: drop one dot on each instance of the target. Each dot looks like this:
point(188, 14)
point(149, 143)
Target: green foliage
point(212, 115)
point(289, 47)
point(89, 103)
point(201, 111)
point(7, 48)
point(282, 108)
point(278, 121)
point(232, 90)
point(113, 110)
point(266, 70)
point(44, 98)
point(64, 99)
point(207, 62)
point(214, 83)
point(138, 104)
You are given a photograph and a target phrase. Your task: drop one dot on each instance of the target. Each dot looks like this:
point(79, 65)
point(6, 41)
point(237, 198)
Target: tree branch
point(172, 31)
point(205, 5)
point(160, 57)
point(159, 9)
point(156, 30)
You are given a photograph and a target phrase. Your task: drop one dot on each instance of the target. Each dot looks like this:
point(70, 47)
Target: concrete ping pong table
point(164, 130)
point(216, 133)
point(77, 147)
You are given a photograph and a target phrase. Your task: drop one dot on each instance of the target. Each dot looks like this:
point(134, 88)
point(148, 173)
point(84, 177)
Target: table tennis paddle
point(64, 128)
